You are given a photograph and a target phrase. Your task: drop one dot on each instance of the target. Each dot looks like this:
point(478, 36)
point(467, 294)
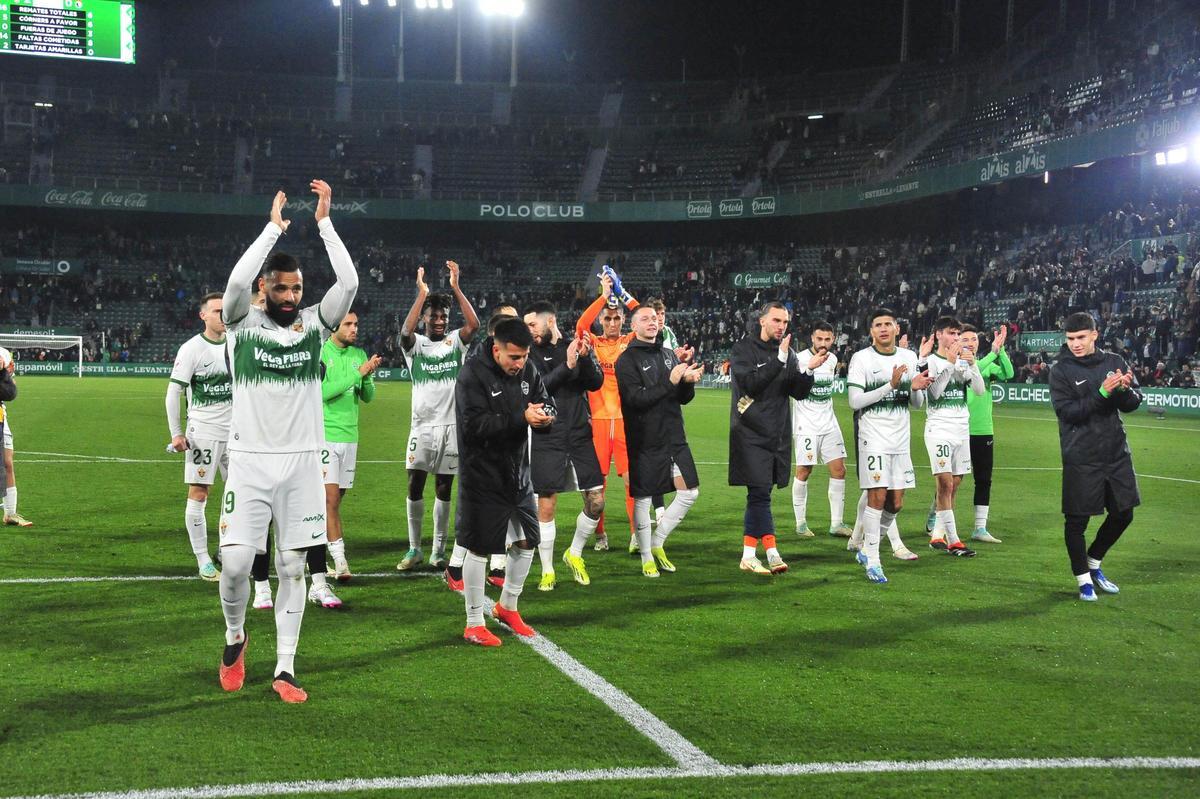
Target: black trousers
point(757, 520)
point(982, 454)
point(1110, 531)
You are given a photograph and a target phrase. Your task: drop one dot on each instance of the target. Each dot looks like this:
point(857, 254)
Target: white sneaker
point(323, 595)
point(262, 598)
point(341, 570)
point(855, 542)
point(904, 553)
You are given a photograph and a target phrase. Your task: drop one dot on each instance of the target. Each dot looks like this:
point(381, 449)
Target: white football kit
point(947, 423)
point(884, 438)
point(815, 431)
point(200, 369)
point(434, 366)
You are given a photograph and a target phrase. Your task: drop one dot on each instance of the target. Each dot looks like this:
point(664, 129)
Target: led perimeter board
point(92, 30)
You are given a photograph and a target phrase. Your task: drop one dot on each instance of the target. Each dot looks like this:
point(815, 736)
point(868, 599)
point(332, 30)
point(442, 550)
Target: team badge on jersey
point(877, 477)
point(298, 327)
point(224, 527)
point(200, 471)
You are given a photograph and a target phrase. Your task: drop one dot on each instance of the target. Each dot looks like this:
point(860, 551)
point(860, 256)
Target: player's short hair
point(496, 319)
point(541, 307)
point(878, 312)
point(280, 262)
point(618, 309)
point(436, 302)
point(511, 330)
point(967, 327)
point(767, 307)
point(821, 324)
point(645, 307)
point(1081, 320)
point(658, 305)
point(944, 322)
point(212, 295)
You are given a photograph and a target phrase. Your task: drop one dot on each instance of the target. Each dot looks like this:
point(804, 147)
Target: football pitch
point(960, 678)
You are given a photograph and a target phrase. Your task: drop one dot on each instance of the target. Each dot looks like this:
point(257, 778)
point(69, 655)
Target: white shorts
point(337, 463)
point(202, 460)
point(893, 472)
point(949, 456)
point(7, 433)
point(433, 449)
point(811, 450)
point(262, 488)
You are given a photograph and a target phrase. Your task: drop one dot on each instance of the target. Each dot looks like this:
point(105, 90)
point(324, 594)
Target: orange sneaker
point(513, 620)
point(285, 686)
point(234, 674)
point(480, 635)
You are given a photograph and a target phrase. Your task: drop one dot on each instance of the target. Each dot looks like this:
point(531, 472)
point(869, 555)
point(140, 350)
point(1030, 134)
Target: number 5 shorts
point(878, 470)
point(284, 488)
point(432, 449)
point(202, 460)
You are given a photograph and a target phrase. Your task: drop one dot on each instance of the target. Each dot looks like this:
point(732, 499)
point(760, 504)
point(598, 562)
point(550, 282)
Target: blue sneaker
point(875, 575)
point(861, 557)
point(1103, 583)
point(1087, 593)
point(930, 522)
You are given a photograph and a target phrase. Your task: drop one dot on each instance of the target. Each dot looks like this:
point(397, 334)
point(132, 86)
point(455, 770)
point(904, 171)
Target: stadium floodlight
point(422, 5)
point(816, 116)
point(337, 3)
point(1160, 159)
point(502, 8)
point(1177, 155)
point(364, 2)
point(391, 3)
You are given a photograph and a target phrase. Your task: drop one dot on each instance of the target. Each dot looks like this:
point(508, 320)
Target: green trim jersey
point(276, 373)
point(813, 415)
point(434, 366)
point(947, 417)
point(201, 369)
point(995, 367)
point(343, 386)
point(883, 428)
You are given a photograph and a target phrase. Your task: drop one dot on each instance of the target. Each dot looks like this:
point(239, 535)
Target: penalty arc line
point(434, 781)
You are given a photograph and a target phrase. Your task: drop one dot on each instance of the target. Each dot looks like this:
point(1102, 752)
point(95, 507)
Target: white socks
point(641, 518)
point(837, 502)
point(441, 524)
point(981, 514)
point(546, 548)
point(289, 607)
point(872, 520)
point(584, 527)
point(519, 561)
point(234, 590)
point(197, 530)
point(676, 511)
point(800, 500)
point(946, 523)
point(498, 562)
point(474, 574)
point(458, 556)
point(887, 524)
point(10, 501)
point(416, 515)
point(1093, 564)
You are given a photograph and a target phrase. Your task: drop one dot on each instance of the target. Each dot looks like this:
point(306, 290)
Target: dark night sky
point(632, 40)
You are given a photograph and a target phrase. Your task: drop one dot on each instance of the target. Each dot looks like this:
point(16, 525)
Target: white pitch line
point(666, 738)
point(434, 781)
point(159, 578)
point(1007, 468)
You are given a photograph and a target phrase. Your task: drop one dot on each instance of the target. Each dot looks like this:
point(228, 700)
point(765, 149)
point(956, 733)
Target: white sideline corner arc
point(614, 774)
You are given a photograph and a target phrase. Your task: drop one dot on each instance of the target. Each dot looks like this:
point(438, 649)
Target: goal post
point(36, 341)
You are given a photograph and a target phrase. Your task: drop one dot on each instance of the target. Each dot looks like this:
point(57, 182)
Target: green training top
point(994, 368)
point(341, 389)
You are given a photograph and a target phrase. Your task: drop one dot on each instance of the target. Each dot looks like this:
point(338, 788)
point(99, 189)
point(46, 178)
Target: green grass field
point(111, 686)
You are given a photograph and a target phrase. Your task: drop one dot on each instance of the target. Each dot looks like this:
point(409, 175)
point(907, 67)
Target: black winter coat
point(760, 414)
point(493, 451)
point(653, 410)
point(1097, 463)
point(573, 427)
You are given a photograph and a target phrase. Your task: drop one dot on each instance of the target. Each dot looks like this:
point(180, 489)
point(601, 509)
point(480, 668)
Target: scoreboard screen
point(93, 30)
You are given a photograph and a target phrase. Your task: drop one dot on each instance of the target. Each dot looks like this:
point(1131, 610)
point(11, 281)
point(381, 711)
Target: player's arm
point(1006, 366)
point(470, 319)
point(977, 384)
point(856, 391)
point(366, 389)
point(1069, 405)
point(685, 391)
point(181, 376)
point(592, 312)
point(588, 373)
point(408, 330)
point(800, 379)
point(988, 366)
point(340, 296)
point(635, 393)
point(940, 380)
point(1127, 396)
point(236, 302)
point(8, 386)
point(337, 382)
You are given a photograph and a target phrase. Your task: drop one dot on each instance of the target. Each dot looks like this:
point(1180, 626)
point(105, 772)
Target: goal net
point(28, 346)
